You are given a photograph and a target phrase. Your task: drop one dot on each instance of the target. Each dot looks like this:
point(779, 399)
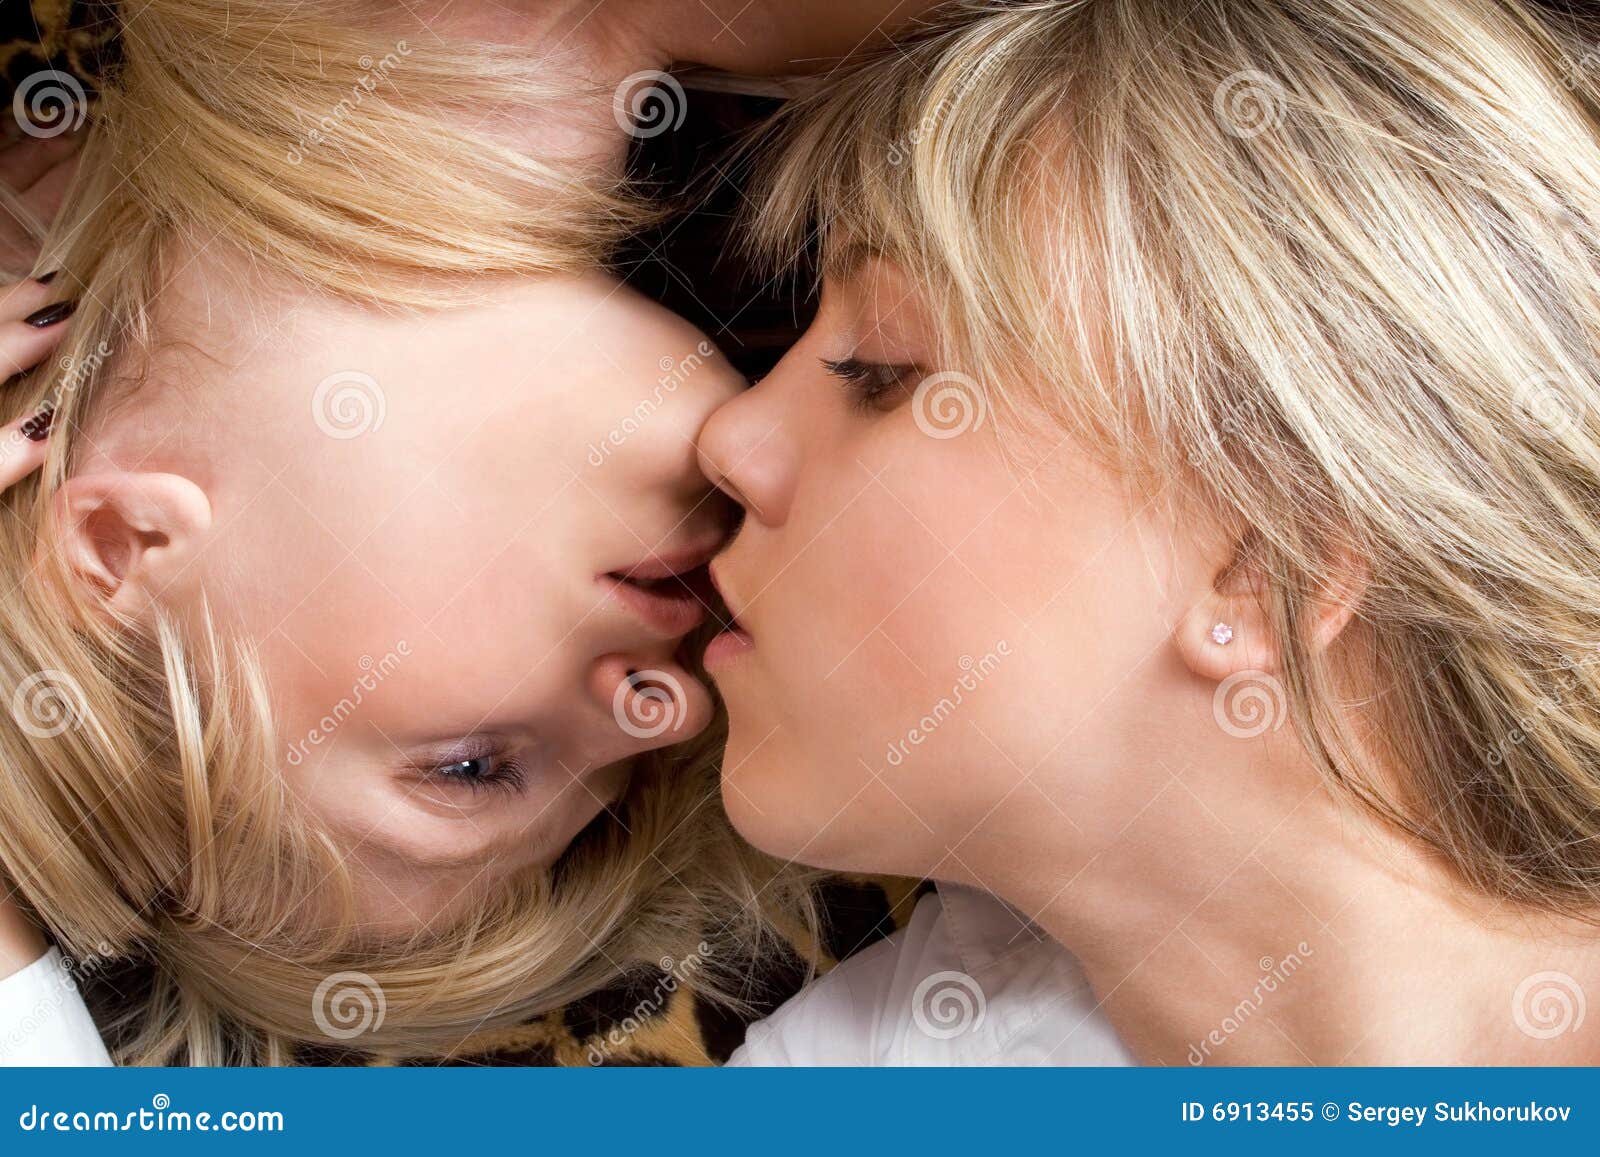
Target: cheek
point(906, 574)
point(947, 633)
point(874, 616)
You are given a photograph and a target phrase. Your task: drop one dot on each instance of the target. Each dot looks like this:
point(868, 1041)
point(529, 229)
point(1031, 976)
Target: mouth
point(671, 593)
point(733, 640)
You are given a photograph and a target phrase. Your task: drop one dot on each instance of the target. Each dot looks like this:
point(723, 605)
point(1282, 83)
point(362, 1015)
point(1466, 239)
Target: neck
point(1246, 917)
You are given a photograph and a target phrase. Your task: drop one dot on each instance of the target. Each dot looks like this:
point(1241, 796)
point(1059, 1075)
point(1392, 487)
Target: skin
point(469, 529)
point(450, 556)
point(1085, 777)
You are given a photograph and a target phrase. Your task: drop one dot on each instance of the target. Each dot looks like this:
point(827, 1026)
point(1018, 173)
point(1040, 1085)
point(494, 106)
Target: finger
point(21, 298)
point(22, 164)
point(24, 343)
point(23, 445)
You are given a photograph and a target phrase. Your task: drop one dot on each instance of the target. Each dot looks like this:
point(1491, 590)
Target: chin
point(777, 801)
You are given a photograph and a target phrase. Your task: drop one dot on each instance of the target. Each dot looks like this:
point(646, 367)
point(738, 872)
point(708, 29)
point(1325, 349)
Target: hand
point(35, 173)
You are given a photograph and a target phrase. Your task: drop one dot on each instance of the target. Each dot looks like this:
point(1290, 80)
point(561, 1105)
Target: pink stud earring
point(1222, 634)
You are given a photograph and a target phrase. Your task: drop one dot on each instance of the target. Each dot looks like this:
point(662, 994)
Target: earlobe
point(130, 535)
point(1227, 633)
point(1229, 629)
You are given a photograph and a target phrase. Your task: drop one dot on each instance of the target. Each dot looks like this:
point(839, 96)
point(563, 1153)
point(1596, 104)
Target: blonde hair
point(1330, 267)
point(143, 814)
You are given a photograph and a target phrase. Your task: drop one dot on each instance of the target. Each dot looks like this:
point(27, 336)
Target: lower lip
point(726, 647)
point(672, 614)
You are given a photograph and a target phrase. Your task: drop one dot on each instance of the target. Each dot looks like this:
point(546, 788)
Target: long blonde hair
point(143, 815)
point(1330, 267)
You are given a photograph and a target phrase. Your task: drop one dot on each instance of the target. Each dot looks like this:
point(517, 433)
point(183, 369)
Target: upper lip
point(734, 607)
point(665, 564)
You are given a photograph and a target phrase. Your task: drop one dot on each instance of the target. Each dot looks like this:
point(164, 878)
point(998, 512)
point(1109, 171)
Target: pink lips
point(725, 646)
point(669, 592)
point(733, 641)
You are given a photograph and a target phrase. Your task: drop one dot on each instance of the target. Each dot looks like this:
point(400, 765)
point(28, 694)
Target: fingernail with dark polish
point(37, 428)
point(47, 278)
point(51, 314)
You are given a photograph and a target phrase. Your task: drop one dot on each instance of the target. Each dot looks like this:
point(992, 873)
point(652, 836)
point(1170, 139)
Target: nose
point(748, 451)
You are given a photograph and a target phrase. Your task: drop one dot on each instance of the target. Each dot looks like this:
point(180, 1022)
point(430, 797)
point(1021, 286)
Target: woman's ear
point(1228, 630)
point(131, 535)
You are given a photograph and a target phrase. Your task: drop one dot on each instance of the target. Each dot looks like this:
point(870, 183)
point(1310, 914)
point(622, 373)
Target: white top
point(967, 982)
point(43, 1020)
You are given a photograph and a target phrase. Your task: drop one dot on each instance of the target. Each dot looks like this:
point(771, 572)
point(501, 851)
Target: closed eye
point(873, 386)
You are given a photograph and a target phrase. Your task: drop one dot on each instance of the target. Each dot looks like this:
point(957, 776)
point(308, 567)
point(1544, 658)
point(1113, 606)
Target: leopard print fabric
point(654, 1015)
point(41, 36)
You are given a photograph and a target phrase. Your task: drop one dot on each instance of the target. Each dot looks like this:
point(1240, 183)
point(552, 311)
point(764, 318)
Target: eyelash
point(869, 382)
point(506, 775)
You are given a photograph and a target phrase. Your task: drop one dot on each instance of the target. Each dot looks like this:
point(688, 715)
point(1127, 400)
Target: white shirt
point(43, 1020)
point(967, 982)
